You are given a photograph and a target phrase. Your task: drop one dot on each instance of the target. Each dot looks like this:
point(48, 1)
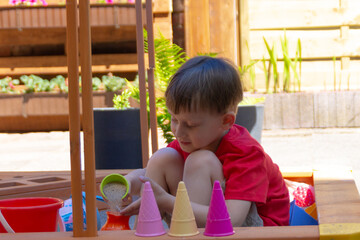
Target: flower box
point(41, 111)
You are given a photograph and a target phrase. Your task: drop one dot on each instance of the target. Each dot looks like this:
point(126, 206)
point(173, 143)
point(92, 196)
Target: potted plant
point(117, 135)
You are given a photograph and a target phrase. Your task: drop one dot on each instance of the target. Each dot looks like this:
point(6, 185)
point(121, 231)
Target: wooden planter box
point(312, 110)
point(41, 111)
point(337, 200)
point(33, 39)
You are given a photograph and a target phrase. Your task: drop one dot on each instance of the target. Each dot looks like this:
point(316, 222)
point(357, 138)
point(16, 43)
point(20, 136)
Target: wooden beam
point(48, 36)
point(63, 70)
point(60, 61)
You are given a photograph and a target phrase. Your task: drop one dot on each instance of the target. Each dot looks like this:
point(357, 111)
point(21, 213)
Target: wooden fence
point(328, 30)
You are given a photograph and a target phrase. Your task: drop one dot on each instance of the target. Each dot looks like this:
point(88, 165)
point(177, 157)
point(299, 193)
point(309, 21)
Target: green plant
point(7, 85)
point(290, 66)
point(96, 83)
point(273, 63)
point(113, 83)
point(251, 69)
point(59, 83)
point(168, 59)
point(35, 83)
point(121, 101)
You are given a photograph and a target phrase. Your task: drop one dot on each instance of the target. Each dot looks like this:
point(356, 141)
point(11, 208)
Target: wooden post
point(74, 115)
point(142, 83)
point(88, 118)
point(211, 27)
point(244, 54)
point(197, 39)
point(150, 71)
point(223, 28)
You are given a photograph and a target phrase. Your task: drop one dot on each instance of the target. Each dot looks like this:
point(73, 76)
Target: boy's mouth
point(184, 142)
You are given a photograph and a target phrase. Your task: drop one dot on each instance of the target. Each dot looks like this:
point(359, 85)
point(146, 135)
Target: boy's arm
point(238, 210)
point(135, 183)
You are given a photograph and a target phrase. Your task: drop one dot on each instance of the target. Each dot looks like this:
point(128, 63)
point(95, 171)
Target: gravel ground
point(300, 149)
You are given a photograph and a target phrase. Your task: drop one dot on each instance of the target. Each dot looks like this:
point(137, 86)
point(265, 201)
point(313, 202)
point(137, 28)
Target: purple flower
point(12, 2)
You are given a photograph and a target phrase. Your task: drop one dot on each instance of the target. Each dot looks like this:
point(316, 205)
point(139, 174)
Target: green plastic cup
point(114, 177)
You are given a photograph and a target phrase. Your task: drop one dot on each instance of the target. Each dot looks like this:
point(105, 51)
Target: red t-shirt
point(251, 175)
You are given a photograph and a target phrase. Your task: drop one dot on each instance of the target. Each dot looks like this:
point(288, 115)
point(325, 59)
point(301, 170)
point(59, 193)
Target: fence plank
point(299, 14)
point(317, 75)
point(315, 44)
point(197, 39)
point(223, 36)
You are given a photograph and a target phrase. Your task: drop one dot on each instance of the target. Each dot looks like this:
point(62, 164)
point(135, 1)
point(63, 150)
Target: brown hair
point(205, 83)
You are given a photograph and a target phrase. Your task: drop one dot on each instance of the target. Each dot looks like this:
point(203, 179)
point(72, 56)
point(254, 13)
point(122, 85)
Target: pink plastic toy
point(218, 221)
point(149, 220)
point(304, 195)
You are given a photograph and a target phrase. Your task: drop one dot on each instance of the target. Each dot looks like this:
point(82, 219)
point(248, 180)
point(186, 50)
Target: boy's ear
point(228, 119)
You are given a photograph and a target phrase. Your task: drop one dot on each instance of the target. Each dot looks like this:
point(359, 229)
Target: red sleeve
point(245, 174)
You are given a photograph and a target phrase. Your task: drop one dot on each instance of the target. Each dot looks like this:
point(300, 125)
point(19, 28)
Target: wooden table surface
point(337, 200)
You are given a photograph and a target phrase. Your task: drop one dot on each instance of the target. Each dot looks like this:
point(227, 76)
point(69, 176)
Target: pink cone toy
point(218, 221)
point(149, 220)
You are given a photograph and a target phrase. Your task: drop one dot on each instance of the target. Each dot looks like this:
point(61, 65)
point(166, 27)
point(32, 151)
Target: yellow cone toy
point(182, 221)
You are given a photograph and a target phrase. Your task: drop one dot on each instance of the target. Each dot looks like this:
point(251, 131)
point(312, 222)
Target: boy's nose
point(179, 131)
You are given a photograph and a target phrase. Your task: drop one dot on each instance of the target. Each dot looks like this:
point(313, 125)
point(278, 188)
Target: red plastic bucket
point(30, 214)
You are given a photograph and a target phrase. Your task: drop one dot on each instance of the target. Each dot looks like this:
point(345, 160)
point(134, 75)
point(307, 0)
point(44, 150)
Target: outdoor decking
point(337, 200)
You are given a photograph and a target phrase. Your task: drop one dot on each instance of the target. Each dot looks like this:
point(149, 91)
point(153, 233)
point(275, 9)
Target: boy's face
point(199, 130)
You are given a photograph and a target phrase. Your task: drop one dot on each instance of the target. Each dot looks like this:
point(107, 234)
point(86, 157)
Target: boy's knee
point(201, 159)
point(164, 156)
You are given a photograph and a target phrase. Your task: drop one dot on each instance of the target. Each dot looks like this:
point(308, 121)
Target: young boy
point(202, 98)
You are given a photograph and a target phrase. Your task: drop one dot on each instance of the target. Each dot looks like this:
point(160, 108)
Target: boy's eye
point(192, 125)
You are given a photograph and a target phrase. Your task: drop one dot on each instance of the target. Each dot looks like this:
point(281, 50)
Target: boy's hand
point(160, 194)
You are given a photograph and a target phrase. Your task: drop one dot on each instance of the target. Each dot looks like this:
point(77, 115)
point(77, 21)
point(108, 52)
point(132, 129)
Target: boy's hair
point(204, 83)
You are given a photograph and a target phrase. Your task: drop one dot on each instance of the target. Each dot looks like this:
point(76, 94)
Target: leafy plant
point(273, 63)
point(122, 101)
point(168, 59)
point(96, 83)
point(249, 68)
point(113, 83)
point(290, 66)
point(59, 83)
point(7, 85)
point(35, 83)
